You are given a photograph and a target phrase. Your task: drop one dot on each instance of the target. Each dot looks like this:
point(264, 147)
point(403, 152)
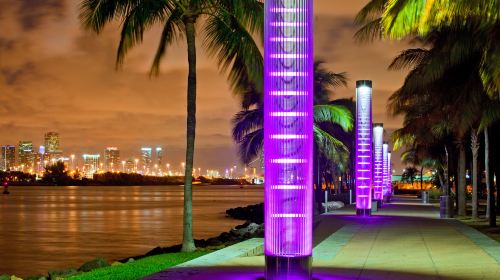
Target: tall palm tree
point(402, 19)
point(228, 27)
point(248, 131)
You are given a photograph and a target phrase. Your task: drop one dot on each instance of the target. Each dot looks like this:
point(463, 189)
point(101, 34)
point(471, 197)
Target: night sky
point(54, 76)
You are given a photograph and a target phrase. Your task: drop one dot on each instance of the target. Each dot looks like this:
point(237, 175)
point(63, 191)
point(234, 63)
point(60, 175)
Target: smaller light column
point(378, 172)
point(389, 172)
point(363, 161)
point(385, 168)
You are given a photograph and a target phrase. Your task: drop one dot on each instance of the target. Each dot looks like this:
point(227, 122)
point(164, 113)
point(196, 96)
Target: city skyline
point(100, 107)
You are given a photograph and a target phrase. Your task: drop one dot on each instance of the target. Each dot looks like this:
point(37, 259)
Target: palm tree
point(248, 131)
point(402, 19)
point(329, 119)
point(228, 27)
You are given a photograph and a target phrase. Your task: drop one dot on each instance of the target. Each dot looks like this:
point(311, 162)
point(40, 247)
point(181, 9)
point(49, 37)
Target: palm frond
point(334, 114)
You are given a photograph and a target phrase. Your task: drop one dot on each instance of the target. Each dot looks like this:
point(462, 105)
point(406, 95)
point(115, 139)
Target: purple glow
point(288, 122)
point(389, 172)
point(385, 151)
point(363, 144)
point(378, 139)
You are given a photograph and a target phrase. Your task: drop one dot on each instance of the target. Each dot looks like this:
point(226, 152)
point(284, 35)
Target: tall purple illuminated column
point(363, 147)
point(288, 138)
point(389, 172)
point(378, 182)
point(385, 151)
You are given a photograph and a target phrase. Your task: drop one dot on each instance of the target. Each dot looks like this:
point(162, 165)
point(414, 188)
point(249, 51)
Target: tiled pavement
point(403, 240)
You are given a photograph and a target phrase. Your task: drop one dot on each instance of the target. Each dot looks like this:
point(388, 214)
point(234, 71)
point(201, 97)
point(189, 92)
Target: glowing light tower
point(389, 172)
point(288, 138)
point(378, 182)
point(363, 147)
point(385, 151)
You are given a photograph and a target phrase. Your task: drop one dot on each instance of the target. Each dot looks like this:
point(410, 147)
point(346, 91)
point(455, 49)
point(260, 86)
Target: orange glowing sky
point(54, 76)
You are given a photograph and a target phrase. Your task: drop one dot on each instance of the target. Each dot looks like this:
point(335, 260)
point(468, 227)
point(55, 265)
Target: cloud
point(57, 76)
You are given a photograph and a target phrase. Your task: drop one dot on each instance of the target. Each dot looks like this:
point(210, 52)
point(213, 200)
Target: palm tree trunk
point(461, 181)
point(491, 189)
point(187, 237)
point(475, 154)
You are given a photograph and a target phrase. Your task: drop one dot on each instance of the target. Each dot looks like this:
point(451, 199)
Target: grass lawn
point(483, 226)
point(140, 268)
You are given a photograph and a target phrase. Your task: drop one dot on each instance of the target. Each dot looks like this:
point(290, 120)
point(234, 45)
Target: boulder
point(333, 205)
point(130, 260)
point(214, 242)
point(61, 274)
point(116, 264)
point(96, 263)
point(250, 229)
point(13, 277)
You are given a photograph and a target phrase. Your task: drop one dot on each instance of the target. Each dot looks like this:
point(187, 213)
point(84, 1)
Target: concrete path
point(403, 240)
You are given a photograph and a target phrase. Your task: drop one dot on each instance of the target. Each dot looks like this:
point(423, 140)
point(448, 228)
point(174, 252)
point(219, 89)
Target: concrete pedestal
point(445, 207)
point(363, 212)
point(288, 268)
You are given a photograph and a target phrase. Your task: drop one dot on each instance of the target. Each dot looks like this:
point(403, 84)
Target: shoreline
point(239, 233)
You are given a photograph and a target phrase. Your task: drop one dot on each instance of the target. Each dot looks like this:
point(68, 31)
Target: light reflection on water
point(43, 228)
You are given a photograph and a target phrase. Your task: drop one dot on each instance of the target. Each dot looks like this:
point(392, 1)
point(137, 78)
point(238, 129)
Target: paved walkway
point(403, 240)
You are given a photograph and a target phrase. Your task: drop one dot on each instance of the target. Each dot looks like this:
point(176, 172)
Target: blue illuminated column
point(288, 138)
point(363, 147)
point(385, 151)
point(378, 181)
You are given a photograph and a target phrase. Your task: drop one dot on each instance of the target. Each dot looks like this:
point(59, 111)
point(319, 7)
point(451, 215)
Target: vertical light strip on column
point(363, 147)
point(378, 182)
point(288, 129)
point(385, 151)
point(389, 172)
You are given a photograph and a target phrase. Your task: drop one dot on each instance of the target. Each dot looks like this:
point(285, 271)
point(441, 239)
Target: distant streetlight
point(72, 161)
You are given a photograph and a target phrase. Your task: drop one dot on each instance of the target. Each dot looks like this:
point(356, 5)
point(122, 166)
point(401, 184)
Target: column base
point(363, 212)
point(288, 268)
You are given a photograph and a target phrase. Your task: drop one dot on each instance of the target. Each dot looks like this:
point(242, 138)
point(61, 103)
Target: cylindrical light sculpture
point(385, 151)
point(378, 182)
point(389, 172)
point(363, 147)
point(288, 138)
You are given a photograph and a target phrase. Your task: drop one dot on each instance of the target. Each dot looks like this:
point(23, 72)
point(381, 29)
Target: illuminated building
point(7, 157)
point(52, 145)
point(90, 165)
point(25, 155)
point(288, 138)
point(112, 159)
point(146, 157)
point(130, 165)
point(363, 162)
point(378, 172)
point(41, 156)
point(159, 155)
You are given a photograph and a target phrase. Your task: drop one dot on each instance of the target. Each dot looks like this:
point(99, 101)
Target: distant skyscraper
point(7, 157)
point(52, 145)
point(25, 154)
point(159, 155)
point(112, 158)
point(90, 164)
point(146, 156)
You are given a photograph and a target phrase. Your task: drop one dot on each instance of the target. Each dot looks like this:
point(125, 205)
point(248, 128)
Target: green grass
point(483, 226)
point(140, 268)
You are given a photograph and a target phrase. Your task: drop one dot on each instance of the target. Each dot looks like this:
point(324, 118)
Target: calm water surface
point(43, 228)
